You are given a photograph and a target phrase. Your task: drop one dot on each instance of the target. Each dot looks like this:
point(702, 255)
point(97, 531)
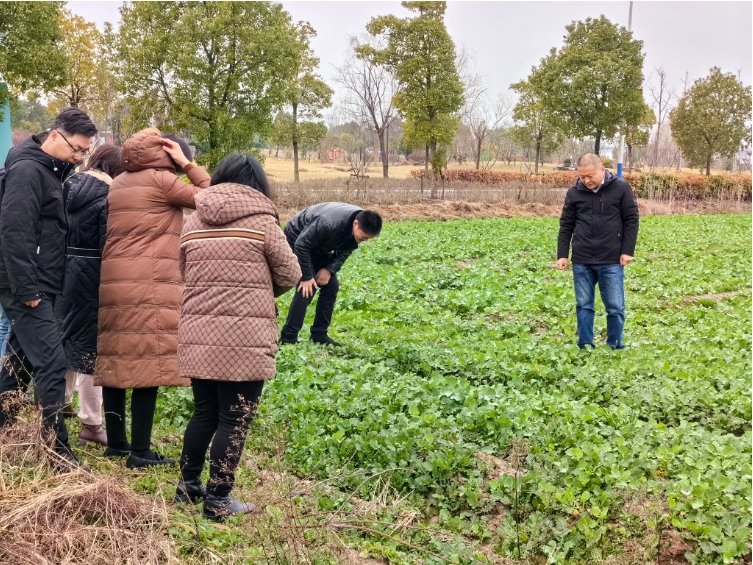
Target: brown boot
point(92, 433)
point(69, 411)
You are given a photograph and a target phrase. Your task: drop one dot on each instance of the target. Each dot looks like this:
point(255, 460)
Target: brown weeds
point(70, 518)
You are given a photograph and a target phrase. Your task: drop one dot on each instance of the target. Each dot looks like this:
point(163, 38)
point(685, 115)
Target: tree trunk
point(277, 153)
point(630, 159)
point(597, 143)
point(426, 164)
point(478, 155)
point(295, 143)
point(538, 156)
point(383, 140)
point(708, 165)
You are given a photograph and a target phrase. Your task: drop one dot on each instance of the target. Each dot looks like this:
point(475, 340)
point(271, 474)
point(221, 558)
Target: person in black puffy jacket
point(322, 237)
point(33, 233)
point(77, 307)
point(600, 218)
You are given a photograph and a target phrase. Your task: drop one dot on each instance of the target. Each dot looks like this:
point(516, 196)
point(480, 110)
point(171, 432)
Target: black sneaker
point(326, 340)
point(154, 460)
point(287, 341)
point(218, 507)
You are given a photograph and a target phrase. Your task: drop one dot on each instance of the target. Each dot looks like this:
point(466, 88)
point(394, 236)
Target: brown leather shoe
point(92, 433)
point(69, 411)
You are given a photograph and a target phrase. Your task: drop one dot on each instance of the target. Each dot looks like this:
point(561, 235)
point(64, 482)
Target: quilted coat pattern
point(232, 256)
point(77, 307)
point(140, 285)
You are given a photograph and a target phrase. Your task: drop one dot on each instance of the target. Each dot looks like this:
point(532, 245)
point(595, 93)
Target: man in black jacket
point(322, 237)
point(600, 216)
point(33, 233)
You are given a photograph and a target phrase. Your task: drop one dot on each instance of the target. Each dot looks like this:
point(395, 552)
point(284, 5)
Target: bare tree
point(486, 116)
point(369, 92)
point(662, 96)
point(482, 113)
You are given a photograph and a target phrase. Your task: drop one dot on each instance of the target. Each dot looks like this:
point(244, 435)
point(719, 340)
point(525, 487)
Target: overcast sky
point(508, 38)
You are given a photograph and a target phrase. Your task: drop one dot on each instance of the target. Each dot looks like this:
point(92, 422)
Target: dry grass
point(47, 517)
point(409, 199)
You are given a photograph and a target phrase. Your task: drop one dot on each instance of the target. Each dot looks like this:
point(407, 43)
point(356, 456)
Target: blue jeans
point(611, 280)
point(4, 332)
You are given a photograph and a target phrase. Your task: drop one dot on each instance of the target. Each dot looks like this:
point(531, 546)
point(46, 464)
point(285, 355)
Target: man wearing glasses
point(33, 234)
point(600, 220)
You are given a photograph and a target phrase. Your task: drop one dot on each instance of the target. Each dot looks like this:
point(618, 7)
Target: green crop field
point(461, 388)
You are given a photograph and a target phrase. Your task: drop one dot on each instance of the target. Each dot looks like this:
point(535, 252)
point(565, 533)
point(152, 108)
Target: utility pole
point(621, 150)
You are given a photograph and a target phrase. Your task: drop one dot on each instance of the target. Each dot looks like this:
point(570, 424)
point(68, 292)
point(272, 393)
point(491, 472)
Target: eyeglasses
point(80, 152)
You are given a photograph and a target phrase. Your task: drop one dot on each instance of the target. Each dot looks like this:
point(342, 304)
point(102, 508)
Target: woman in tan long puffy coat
point(141, 288)
point(235, 259)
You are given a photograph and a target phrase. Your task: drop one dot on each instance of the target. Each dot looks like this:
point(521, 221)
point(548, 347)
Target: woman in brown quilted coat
point(140, 287)
point(235, 260)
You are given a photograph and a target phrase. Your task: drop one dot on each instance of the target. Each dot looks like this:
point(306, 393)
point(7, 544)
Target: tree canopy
point(30, 54)
point(712, 118)
point(592, 84)
point(215, 69)
point(430, 93)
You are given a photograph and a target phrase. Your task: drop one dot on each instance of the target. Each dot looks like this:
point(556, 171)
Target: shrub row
point(645, 185)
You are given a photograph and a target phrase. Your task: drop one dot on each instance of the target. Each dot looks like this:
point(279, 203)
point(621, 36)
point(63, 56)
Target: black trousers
point(324, 310)
point(35, 353)
point(223, 411)
point(143, 405)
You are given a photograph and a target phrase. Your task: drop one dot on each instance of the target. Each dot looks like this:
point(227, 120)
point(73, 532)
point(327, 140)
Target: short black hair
point(106, 158)
point(42, 135)
point(74, 121)
point(184, 147)
point(370, 222)
point(238, 168)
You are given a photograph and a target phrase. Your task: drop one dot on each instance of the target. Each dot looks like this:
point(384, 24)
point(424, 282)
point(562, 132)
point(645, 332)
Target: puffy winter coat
point(77, 308)
point(322, 234)
point(232, 254)
point(602, 224)
point(140, 285)
point(33, 224)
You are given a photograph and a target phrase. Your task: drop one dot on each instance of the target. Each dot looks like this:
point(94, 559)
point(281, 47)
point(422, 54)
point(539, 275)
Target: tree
point(369, 92)
point(30, 55)
point(430, 93)
point(212, 69)
point(537, 126)
point(80, 44)
point(30, 115)
point(662, 95)
point(712, 118)
point(306, 93)
point(592, 82)
point(638, 135)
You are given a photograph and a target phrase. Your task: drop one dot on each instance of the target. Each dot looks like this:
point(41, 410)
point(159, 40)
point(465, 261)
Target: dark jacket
point(602, 225)
point(77, 309)
point(33, 224)
point(323, 235)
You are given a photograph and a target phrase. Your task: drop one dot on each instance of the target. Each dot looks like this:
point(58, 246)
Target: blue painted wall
point(6, 140)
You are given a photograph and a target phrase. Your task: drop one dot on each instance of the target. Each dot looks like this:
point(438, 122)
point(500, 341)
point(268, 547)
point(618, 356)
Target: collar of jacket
point(31, 150)
point(608, 178)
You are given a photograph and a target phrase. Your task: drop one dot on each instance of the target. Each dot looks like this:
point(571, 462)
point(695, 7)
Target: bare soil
point(445, 210)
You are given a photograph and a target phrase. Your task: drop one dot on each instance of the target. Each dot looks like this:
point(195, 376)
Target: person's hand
point(307, 288)
point(562, 264)
point(322, 277)
point(174, 150)
point(625, 259)
point(33, 303)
